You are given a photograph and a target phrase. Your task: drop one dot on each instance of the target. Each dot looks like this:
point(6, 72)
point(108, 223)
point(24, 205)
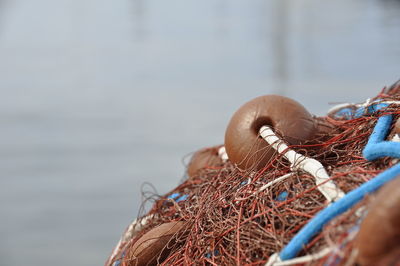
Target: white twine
point(326, 186)
point(222, 154)
point(344, 105)
point(358, 105)
point(337, 107)
point(388, 102)
point(274, 260)
point(276, 180)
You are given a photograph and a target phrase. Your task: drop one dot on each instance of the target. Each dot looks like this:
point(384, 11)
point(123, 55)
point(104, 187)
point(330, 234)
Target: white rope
point(367, 103)
point(276, 180)
point(315, 168)
point(389, 102)
point(222, 154)
point(337, 107)
point(274, 260)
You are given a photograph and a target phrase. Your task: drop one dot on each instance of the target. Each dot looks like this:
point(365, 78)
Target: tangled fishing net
point(247, 217)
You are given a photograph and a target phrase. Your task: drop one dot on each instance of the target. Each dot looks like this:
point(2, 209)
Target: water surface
point(98, 97)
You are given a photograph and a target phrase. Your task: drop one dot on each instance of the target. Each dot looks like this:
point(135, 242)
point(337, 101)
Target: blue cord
point(283, 196)
point(177, 197)
point(351, 113)
point(315, 225)
point(375, 148)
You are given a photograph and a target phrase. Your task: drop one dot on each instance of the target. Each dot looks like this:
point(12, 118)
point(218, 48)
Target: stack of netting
point(254, 211)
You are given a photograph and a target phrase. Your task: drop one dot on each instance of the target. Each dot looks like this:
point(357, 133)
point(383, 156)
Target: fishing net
point(232, 217)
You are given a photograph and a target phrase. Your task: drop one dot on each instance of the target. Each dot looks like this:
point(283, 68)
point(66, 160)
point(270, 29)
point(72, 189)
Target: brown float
point(288, 119)
point(203, 158)
point(154, 246)
point(391, 259)
point(379, 233)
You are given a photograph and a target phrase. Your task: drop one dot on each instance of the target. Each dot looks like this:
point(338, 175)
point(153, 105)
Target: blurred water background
point(98, 97)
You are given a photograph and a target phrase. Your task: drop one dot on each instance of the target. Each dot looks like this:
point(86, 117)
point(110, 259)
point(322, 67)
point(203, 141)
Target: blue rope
point(177, 197)
point(182, 198)
point(351, 113)
point(315, 225)
point(283, 196)
point(375, 148)
point(173, 196)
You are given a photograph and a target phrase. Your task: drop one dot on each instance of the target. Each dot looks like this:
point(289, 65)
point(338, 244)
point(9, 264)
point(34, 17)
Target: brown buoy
point(379, 233)
point(154, 246)
point(203, 158)
point(391, 259)
point(289, 119)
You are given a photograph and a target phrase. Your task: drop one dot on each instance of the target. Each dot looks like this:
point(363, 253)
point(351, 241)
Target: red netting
point(230, 221)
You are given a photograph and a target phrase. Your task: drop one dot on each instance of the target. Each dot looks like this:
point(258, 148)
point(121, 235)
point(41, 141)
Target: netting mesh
point(231, 220)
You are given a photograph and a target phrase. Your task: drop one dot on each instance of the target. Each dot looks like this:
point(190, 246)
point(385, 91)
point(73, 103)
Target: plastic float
point(286, 188)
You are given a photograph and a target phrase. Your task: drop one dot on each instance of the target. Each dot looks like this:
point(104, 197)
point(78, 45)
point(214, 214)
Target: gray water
point(98, 97)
